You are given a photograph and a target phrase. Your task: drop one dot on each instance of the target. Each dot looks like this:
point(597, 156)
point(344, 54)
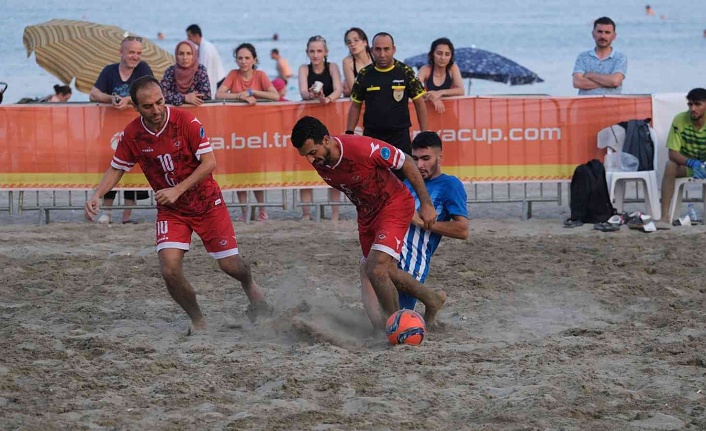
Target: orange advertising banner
point(486, 139)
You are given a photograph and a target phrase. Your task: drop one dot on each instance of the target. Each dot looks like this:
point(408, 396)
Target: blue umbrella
point(481, 64)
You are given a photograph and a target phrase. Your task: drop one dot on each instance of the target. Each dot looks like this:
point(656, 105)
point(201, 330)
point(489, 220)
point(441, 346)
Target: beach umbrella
point(482, 64)
point(71, 49)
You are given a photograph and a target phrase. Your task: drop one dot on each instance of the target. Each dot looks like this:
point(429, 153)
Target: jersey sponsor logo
point(202, 132)
point(385, 153)
point(147, 150)
point(382, 237)
point(177, 144)
point(218, 201)
point(115, 139)
point(373, 147)
point(223, 242)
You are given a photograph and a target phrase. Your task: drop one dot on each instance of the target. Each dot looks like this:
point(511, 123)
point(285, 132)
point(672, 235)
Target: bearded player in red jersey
point(359, 166)
point(175, 154)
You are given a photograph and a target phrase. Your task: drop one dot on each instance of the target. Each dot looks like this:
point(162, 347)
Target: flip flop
point(572, 223)
point(606, 227)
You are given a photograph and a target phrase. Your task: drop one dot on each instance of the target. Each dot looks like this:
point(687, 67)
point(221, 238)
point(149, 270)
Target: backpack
point(638, 142)
point(590, 201)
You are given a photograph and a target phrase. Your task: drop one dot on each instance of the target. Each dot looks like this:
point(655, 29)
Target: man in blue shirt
point(601, 70)
point(449, 199)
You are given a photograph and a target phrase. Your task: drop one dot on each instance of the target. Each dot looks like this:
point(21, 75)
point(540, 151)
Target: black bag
point(590, 201)
point(638, 142)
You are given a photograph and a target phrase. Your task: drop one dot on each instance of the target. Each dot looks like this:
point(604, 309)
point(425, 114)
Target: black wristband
point(350, 132)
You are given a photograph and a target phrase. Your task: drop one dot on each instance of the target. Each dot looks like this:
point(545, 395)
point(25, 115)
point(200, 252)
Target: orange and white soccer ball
point(405, 327)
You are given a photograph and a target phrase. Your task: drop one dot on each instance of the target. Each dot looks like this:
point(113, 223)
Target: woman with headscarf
point(186, 81)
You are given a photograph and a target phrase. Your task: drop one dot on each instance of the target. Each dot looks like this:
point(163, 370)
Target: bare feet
point(257, 309)
point(431, 309)
point(196, 326)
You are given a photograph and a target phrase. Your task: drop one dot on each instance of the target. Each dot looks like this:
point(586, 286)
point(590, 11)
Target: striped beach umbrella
point(71, 49)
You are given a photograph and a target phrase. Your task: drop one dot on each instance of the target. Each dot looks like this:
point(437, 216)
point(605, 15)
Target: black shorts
point(133, 195)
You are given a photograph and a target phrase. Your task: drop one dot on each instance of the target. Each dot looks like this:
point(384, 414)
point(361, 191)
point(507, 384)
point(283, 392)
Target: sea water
point(666, 52)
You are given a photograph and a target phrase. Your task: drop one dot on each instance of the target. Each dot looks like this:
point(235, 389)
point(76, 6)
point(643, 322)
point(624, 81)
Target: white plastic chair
point(617, 179)
point(677, 195)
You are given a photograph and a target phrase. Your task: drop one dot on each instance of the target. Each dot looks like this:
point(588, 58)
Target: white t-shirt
point(209, 57)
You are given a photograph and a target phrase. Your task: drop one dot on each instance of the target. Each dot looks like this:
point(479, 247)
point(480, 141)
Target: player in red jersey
point(359, 166)
point(175, 154)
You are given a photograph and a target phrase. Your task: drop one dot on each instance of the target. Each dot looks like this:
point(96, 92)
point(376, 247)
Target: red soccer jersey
point(363, 174)
point(169, 157)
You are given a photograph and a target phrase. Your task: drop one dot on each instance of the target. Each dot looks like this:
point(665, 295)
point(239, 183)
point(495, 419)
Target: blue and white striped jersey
point(449, 198)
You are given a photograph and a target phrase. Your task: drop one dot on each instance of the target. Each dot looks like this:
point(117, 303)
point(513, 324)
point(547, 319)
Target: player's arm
point(426, 209)
point(171, 194)
point(110, 179)
point(457, 227)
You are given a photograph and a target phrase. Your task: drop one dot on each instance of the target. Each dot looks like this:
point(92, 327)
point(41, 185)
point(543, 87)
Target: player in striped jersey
point(176, 156)
point(449, 198)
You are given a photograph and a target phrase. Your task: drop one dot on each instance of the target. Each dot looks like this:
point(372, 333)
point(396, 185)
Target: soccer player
point(172, 148)
point(449, 198)
point(359, 166)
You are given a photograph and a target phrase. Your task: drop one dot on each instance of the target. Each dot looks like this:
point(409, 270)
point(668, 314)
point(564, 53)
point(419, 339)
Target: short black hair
point(308, 128)
point(696, 95)
point(62, 89)
point(605, 21)
point(382, 33)
point(141, 83)
point(194, 29)
point(274, 51)
point(426, 140)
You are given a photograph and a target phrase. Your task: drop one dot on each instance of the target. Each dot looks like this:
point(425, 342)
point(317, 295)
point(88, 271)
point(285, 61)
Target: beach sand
point(545, 328)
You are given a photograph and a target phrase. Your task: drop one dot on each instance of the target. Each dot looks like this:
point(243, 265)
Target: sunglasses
point(131, 38)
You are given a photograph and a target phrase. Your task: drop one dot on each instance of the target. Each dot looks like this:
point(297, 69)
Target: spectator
point(359, 56)
point(186, 81)
point(441, 77)
point(281, 88)
point(208, 56)
point(62, 93)
point(687, 146)
point(602, 69)
point(319, 69)
point(283, 69)
point(113, 86)
point(386, 86)
point(247, 84)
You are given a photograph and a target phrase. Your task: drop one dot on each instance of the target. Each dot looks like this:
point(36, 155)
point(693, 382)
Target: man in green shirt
point(687, 146)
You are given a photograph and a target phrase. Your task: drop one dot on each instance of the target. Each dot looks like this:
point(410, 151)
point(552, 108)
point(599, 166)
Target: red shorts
point(387, 230)
point(215, 229)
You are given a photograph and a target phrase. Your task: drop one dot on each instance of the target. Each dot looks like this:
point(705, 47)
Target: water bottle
point(693, 215)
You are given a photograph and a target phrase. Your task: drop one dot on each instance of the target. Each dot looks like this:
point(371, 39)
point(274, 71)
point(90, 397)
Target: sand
point(545, 328)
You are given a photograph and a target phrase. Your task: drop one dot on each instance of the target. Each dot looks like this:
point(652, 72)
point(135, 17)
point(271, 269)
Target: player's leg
point(433, 300)
point(378, 268)
point(170, 265)
point(173, 240)
point(216, 231)
point(370, 299)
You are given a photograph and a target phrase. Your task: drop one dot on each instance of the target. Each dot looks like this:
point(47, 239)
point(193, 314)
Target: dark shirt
point(110, 82)
point(386, 93)
point(444, 86)
point(324, 77)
